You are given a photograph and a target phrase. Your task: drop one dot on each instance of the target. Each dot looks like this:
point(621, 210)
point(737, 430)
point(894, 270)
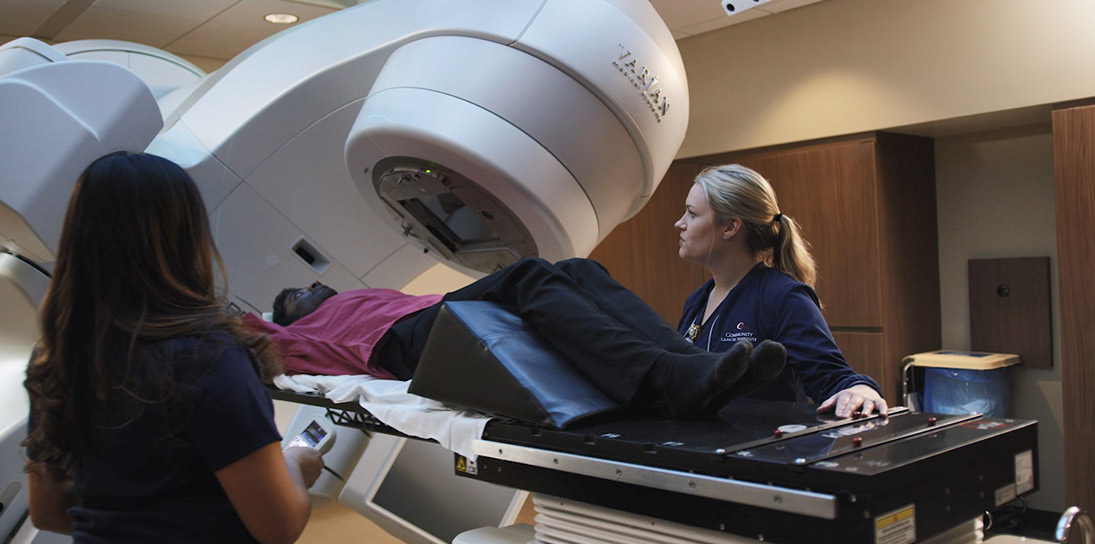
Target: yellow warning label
point(896, 527)
point(461, 464)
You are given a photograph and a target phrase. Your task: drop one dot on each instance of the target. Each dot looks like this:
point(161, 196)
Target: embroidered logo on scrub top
point(738, 335)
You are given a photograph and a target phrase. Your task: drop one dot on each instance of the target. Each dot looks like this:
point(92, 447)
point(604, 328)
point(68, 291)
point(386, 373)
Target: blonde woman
point(762, 288)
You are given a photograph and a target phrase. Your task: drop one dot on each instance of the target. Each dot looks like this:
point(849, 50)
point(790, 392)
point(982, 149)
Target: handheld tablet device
point(319, 434)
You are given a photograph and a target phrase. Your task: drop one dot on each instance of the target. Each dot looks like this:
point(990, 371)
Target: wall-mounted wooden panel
point(1010, 308)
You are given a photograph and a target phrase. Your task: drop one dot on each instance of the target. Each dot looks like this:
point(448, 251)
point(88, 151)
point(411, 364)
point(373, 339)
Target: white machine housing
point(543, 124)
point(57, 116)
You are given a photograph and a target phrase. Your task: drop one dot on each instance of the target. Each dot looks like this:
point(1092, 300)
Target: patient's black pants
point(610, 334)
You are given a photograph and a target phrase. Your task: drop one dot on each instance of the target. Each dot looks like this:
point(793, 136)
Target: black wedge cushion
point(482, 356)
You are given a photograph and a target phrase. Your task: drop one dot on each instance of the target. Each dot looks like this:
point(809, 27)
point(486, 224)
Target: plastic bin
point(959, 382)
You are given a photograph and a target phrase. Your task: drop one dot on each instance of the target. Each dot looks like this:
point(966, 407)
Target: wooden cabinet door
point(1074, 170)
point(829, 189)
point(864, 353)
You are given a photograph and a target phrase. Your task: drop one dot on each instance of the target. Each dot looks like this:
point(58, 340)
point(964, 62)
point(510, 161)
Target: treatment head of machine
point(485, 152)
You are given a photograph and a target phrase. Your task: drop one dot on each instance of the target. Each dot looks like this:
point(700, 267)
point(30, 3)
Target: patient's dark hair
point(135, 267)
point(281, 317)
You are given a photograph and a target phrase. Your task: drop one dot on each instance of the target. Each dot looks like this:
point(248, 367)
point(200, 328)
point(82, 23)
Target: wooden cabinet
point(863, 350)
point(1074, 169)
point(866, 203)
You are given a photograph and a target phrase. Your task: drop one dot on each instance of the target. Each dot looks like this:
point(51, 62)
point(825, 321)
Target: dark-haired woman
point(149, 419)
point(762, 289)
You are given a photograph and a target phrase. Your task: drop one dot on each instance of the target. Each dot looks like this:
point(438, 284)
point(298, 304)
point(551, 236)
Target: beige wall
point(845, 66)
point(996, 199)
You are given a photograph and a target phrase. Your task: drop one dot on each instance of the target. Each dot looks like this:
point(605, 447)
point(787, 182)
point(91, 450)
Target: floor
point(337, 523)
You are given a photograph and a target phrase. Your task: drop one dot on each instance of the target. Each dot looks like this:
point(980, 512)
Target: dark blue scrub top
point(150, 475)
point(769, 305)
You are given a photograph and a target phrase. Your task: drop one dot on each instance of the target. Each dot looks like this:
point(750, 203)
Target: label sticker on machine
point(1024, 471)
point(1005, 494)
point(896, 527)
point(465, 465)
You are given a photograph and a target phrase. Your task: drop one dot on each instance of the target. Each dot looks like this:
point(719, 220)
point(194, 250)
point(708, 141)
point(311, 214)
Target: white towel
point(389, 401)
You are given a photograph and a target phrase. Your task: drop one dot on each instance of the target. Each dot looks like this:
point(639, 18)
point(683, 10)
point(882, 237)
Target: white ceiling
point(688, 18)
point(210, 32)
point(206, 32)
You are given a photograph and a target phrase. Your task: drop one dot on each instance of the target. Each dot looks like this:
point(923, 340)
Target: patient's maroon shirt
point(338, 338)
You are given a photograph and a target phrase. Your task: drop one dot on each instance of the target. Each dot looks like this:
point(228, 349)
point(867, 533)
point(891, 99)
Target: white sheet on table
point(389, 401)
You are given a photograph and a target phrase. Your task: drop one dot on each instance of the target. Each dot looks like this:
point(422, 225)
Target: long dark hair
point(135, 265)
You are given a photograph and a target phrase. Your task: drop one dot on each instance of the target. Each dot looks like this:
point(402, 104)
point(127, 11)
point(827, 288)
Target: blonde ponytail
point(791, 254)
point(734, 191)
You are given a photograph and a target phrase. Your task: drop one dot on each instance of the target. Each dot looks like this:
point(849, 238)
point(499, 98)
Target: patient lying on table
point(611, 336)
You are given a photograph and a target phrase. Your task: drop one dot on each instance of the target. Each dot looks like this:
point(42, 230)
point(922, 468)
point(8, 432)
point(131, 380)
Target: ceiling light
point(281, 18)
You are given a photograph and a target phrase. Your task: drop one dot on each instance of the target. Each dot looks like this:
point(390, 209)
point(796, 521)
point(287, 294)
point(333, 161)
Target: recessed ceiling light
point(281, 18)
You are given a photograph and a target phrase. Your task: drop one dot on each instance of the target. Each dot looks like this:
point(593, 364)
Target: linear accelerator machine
point(362, 148)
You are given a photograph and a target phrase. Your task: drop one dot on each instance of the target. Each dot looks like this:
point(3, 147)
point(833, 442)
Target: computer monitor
point(409, 489)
